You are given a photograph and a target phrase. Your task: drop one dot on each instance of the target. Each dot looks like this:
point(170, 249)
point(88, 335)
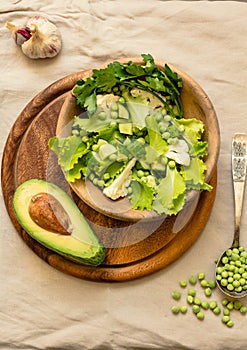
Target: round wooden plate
point(134, 250)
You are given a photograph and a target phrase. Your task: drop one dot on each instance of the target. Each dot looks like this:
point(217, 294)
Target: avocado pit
point(49, 214)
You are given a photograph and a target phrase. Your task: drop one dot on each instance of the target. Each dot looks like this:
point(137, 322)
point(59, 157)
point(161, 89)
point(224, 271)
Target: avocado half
point(81, 245)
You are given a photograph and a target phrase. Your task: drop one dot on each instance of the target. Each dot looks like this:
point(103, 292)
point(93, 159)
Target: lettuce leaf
point(194, 174)
point(142, 195)
point(193, 128)
point(68, 150)
point(170, 193)
point(155, 139)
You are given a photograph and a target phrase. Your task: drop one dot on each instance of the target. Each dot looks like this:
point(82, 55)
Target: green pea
point(235, 257)
point(244, 275)
point(237, 276)
point(193, 279)
point(224, 274)
point(224, 282)
point(216, 310)
point(230, 305)
point(192, 292)
point(241, 270)
point(175, 309)
point(183, 283)
point(195, 309)
point(211, 284)
point(230, 287)
point(190, 299)
point(167, 118)
point(208, 292)
point(166, 135)
point(183, 309)
point(140, 173)
point(204, 283)
point(176, 295)
point(102, 115)
point(121, 99)
point(230, 323)
point(237, 304)
point(205, 305)
point(236, 284)
point(226, 312)
point(229, 252)
point(171, 164)
point(201, 276)
point(197, 301)
point(114, 114)
point(225, 260)
point(238, 263)
point(213, 304)
point(200, 315)
point(243, 309)
point(219, 269)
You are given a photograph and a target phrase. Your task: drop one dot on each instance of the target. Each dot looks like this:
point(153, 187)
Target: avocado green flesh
point(82, 245)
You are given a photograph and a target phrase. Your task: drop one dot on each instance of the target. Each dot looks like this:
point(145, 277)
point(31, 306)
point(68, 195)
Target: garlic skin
point(38, 39)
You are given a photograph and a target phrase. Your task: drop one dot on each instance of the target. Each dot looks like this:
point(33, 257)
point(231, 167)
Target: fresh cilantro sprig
point(163, 83)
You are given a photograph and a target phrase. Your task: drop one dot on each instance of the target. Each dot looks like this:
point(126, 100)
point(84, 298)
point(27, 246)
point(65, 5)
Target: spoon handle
point(239, 161)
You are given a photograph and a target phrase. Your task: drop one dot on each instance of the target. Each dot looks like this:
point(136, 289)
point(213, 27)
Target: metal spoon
point(239, 160)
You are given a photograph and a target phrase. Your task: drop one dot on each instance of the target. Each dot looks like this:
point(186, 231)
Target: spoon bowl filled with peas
point(231, 268)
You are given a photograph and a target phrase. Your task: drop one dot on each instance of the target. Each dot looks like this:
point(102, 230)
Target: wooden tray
point(133, 250)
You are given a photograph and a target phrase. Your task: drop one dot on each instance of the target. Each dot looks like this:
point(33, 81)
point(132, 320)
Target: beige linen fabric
point(41, 308)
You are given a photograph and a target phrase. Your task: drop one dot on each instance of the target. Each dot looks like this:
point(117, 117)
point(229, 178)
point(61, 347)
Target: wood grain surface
point(134, 250)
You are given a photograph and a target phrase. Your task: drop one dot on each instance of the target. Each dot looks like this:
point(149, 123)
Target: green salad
point(132, 139)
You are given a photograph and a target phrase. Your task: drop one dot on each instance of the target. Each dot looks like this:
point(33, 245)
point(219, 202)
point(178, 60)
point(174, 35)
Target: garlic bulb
point(38, 39)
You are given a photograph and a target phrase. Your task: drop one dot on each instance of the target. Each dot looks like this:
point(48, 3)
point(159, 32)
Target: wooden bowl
point(196, 104)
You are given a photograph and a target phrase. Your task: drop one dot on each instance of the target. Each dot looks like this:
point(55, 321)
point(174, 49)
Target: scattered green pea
point(200, 315)
point(204, 283)
point(192, 292)
point(217, 310)
point(243, 309)
point(230, 323)
point(226, 312)
point(237, 304)
point(192, 279)
point(213, 304)
point(183, 309)
point(195, 309)
point(175, 309)
point(205, 305)
point(201, 276)
point(211, 284)
point(190, 299)
point(208, 292)
point(183, 283)
point(230, 305)
point(197, 301)
point(176, 295)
